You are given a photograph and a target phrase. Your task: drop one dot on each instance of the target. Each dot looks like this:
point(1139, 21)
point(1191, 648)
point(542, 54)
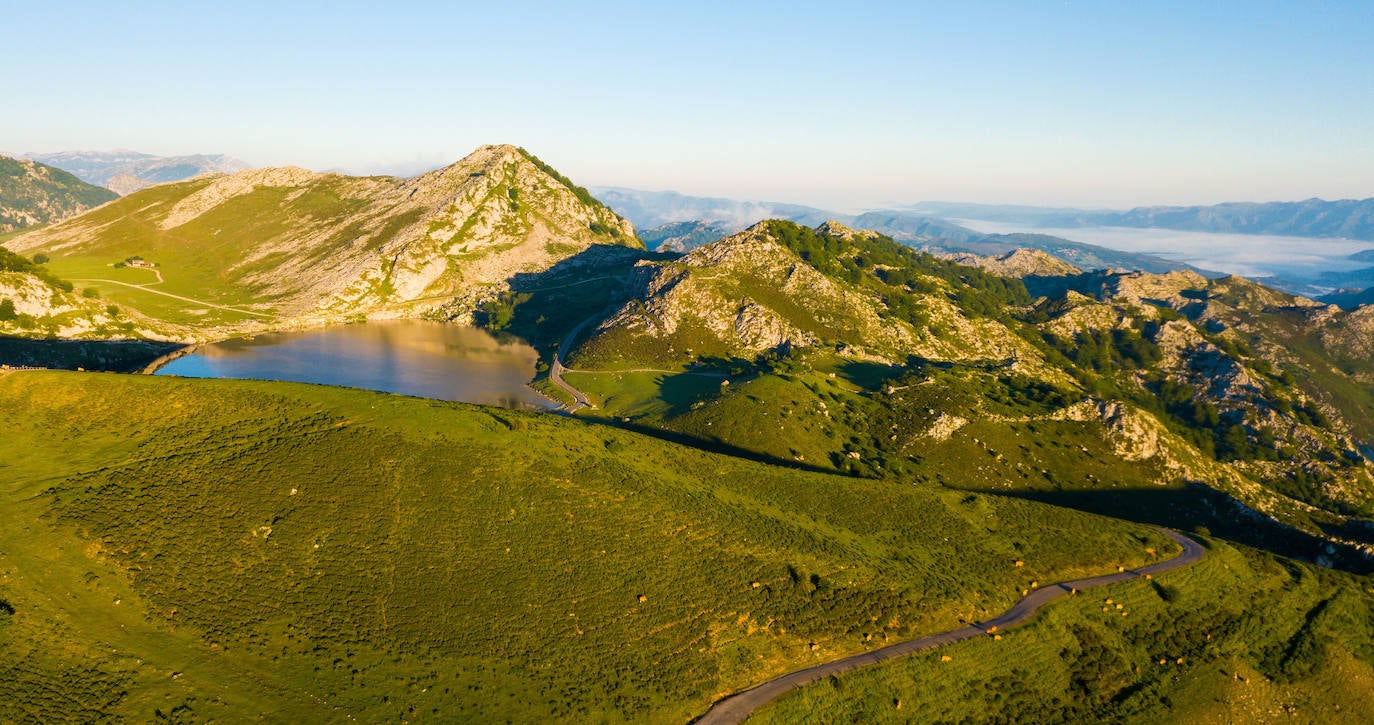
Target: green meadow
point(190, 550)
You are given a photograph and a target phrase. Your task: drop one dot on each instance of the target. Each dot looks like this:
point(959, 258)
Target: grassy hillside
point(1238, 637)
point(33, 194)
point(274, 247)
point(843, 351)
point(197, 550)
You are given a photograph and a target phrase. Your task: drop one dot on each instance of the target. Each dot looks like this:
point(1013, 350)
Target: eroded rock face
point(1350, 334)
point(747, 294)
point(1017, 263)
point(41, 309)
point(703, 289)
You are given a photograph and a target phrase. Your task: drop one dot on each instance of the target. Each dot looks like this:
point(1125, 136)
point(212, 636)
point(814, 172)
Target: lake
point(424, 359)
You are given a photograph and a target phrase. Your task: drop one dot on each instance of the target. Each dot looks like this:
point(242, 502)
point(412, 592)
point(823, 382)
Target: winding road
point(556, 370)
point(737, 707)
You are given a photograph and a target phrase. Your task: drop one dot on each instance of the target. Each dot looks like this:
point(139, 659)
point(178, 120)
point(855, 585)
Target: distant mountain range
point(680, 222)
point(32, 194)
point(1346, 218)
point(649, 209)
point(127, 171)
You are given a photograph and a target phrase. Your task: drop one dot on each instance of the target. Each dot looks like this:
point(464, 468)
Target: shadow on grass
point(1200, 508)
point(119, 356)
point(545, 305)
point(680, 391)
point(868, 375)
point(711, 446)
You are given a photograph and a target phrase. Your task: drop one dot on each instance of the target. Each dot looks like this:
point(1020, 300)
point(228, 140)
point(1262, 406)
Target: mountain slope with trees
point(864, 356)
point(33, 194)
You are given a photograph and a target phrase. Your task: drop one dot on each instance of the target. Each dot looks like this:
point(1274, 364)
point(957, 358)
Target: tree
point(40, 258)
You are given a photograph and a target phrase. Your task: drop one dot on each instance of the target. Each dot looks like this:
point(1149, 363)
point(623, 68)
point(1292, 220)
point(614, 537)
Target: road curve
point(737, 707)
point(556, 370)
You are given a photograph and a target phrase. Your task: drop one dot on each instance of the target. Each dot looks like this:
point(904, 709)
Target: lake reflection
point(425, 359)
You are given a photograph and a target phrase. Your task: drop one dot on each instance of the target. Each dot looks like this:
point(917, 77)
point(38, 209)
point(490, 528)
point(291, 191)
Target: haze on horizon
point(1076, 104)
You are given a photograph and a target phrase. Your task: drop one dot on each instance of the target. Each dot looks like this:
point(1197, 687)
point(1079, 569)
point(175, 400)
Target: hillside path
point(202, 303)
point(737, 707)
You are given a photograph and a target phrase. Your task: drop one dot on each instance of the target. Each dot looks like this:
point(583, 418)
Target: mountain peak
point(833, 228)
point(329, 246)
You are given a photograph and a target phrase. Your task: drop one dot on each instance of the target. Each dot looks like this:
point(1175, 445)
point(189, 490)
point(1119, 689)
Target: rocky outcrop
point(748, 294)
point(36, 308)
point(837, 230)
point(1350, 334)
point(1017, 263)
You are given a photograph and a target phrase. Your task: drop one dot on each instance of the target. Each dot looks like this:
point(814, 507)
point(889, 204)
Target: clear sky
point(829, 103)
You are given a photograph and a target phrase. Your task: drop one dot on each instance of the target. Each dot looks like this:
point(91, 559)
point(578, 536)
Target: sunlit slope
point(1239, 636)
point(842, 350)
point(288, 244)
point(243, 549)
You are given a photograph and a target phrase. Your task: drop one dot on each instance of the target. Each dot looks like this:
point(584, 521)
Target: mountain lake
point(423, 359)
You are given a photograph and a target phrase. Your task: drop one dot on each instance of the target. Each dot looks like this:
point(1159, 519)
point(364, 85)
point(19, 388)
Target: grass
point(239, 549)
point(639, 394)
point(1240, 636)
point(206, 259)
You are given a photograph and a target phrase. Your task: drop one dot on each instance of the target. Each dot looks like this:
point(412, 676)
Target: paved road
point(556, 370)
point(201, 303)
point(737, 707)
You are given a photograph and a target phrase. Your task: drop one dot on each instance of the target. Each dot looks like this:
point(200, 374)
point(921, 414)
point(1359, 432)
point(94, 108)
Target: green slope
point(236, 550)
point(33, 194)
point(922, 369)
point(221, 254)
point(1237, 637)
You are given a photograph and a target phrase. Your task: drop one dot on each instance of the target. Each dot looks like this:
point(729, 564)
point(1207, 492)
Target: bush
point(40, 258)
point(113, 310)
point(90, 293)
point(7, 311)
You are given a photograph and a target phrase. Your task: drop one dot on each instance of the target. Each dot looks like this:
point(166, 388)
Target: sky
point(840, 105)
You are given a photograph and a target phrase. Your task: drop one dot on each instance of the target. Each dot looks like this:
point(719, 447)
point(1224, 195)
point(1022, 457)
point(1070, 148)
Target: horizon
point(895, 205)
point(889, 104)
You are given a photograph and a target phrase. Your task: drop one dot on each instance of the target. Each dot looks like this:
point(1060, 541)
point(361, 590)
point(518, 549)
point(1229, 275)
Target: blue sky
point(1076, 103)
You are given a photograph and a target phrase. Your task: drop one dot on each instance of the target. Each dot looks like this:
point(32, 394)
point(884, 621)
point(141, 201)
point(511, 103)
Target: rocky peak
point(1175, 289)
point(837, 230)
point(1017, 263)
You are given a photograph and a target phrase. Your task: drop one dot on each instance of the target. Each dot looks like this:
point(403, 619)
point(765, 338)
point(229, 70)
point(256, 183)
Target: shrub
point(90, 293)
point(40, 258)
point(7, 310)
